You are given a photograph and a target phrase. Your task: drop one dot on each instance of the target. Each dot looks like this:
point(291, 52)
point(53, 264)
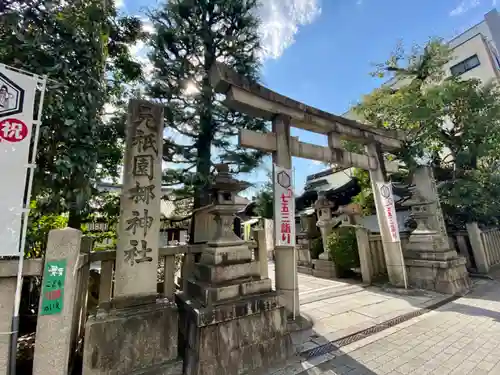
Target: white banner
point(17, 100)
point(284, 207)
point(387, 200)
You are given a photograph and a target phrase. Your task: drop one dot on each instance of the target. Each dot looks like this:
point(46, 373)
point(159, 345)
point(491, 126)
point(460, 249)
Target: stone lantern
point(322, 266)
point(323, 208)
point(226, 297)
point(223, 209)
point(424, 235)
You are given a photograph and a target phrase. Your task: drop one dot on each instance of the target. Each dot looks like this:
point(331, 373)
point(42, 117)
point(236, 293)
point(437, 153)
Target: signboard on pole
point(17, 100)
point(387, 200)
point(284, 207)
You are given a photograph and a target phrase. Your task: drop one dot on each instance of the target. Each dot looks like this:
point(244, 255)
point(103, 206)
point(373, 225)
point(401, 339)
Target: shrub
point(343, 248)
point(316, 247)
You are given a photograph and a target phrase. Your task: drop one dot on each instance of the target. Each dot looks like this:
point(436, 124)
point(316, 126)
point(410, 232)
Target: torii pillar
point(393, 254)
point(286, 276)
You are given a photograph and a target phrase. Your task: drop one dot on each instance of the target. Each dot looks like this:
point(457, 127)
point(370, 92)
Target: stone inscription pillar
point(139, 225)
point(285, 267)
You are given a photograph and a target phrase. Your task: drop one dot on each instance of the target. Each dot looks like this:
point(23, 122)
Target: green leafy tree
point(453, 124)
point(264, 201)
point(40, 225)
point(190, 37)
point(105, 209)
point(365, 197)
point(83, 47)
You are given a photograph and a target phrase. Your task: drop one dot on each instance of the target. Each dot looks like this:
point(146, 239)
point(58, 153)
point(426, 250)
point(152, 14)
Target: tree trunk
point(75, 220)
point(205, 138)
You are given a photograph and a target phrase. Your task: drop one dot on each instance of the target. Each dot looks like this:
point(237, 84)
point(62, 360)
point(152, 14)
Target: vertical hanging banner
point(284, 207)
point(387, 200)
point(17, 100)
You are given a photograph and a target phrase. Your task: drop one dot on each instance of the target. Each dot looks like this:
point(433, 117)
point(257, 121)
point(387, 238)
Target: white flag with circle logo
point(17, 101)
point(387, 200)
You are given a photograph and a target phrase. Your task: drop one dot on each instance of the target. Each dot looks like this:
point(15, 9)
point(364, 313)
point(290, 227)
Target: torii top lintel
point(259, 101)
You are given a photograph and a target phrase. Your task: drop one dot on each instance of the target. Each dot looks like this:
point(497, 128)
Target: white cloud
point(140, 50)
point(119, 3)
point(147, 26)
point(280, 22)
point(464, 7)
point(109, 110)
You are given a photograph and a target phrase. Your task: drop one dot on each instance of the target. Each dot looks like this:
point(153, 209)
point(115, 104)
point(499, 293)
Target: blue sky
point(321, 51)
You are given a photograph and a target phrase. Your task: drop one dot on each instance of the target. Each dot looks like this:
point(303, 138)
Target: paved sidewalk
point(340, 308)
point(462, 337)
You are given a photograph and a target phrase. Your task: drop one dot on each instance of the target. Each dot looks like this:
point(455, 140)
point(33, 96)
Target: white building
point(474, 54)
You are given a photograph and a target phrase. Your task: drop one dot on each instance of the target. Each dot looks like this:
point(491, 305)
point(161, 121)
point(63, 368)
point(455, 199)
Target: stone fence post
point(261, 253)
point(8, 291)
point(478, 248)
point(365, 261)
point(8, 281)
point(57, 302)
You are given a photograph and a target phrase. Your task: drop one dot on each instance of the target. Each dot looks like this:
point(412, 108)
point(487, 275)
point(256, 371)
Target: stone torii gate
point(259, 101)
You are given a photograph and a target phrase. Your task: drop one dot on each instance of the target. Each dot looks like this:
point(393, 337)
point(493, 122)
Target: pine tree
point(190, 37)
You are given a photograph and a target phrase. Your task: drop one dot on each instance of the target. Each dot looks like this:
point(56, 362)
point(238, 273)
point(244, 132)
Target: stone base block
point(308, 270)
point(324, 268)
point(304, 264)
point(324, 274)
point(301, 330)
point(137, 340)
point(252, 337)
point(210, 294)
point(431, 255)
point(237, 253)
point(449, 277)
point(224, 272)
point(303, 256)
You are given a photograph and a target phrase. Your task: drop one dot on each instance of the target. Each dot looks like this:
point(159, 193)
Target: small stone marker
point(53, 287)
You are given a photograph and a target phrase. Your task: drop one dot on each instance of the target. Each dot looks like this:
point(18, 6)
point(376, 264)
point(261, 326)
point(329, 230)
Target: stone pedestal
point(132, 339)
point(235, 337)
point(303, 250)
point(304, 261)
point(324, 268)
point(231, 320)
point(431, 263)
point(136, 333)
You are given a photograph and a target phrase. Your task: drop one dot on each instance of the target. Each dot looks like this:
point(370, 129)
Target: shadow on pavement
point(313, 358)
point(340, 365)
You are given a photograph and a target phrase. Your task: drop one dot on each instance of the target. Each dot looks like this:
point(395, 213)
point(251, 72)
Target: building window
point(464, 66)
